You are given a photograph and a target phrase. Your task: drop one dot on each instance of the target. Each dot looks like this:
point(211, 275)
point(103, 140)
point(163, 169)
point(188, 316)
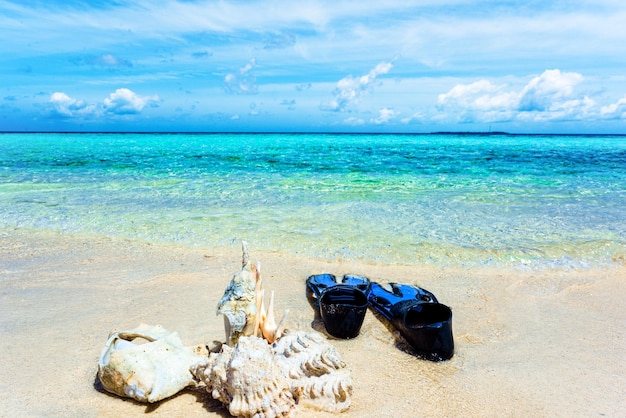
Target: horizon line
point(480, 133)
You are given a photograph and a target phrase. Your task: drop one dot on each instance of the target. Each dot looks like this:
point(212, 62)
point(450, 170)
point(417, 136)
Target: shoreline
point(541, 343)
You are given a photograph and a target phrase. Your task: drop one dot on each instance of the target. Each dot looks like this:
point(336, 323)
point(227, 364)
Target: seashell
point(243, 305)
point(307, 354)
point(256, 379)
point(239, 302)
point(248, 379)
point(329, 392)
point(319, 377)
point(151, 371)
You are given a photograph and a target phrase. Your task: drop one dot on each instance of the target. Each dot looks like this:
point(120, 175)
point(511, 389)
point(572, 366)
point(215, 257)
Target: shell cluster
point(256, 379)
point(265, 377)
point(259, 372)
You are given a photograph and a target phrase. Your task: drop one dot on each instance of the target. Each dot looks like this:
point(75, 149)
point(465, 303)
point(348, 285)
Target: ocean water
point(538, 201)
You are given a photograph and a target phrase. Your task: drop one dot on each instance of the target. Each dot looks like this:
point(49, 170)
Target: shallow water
point(537, 201)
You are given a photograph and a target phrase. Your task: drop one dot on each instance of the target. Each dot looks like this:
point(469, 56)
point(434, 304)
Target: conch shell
point(151, 371)
point(239, 302)
point(243, 305)
point(256, 379)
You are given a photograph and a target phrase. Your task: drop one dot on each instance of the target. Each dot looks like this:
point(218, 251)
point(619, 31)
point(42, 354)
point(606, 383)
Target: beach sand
point(528, 343)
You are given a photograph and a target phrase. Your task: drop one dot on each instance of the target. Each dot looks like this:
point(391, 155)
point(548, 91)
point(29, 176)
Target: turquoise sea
point(445, 199)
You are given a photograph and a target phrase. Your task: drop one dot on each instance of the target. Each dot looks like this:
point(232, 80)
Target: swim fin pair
point(416, 313)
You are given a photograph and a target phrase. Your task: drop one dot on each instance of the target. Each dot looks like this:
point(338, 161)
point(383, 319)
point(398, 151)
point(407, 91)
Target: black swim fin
point(424, 323)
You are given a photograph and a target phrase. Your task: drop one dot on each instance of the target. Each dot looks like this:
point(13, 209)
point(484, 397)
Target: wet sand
point(528, 343)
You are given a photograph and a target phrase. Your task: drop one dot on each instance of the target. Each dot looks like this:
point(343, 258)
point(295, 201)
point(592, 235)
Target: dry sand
point(528, 343)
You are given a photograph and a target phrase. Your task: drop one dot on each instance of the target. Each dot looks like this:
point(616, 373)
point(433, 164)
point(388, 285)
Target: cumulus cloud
point(615, 110)
point(121, 102)
point(548, 89)
point(574, 109)
point(481, 95)
point(384, 116)
point(549, 96)
point(242, 81)
point(482, 100)
point(65, 106)
point(126, 102)
point(350, 89)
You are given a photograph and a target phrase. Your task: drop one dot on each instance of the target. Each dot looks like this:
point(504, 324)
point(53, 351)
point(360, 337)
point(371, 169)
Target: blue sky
point(335, 66)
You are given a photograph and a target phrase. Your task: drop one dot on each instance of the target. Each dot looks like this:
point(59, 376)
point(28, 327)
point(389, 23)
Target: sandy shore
point(528, 343)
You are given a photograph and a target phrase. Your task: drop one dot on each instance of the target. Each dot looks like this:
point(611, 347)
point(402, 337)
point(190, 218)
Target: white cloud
point(121, 102)
point(384, 116)
point(65, 106)
point(416, 117)
point(575, 109)
point(349, 89)
point(243, 81)
point(112, 60)
point(481, 100)
point(104, 61)
point(547, 90)
point(615, 110)
point(480, 95)
point(549, 96)
point(126, 102)
point(352, 121)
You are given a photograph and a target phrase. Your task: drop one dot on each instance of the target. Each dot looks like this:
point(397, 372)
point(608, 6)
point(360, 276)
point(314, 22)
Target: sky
point(313, 66)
